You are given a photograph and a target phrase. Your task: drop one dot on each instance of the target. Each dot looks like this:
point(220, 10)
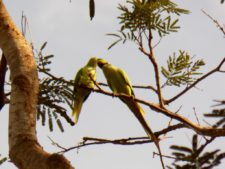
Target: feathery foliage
point(2, 160)
point(219, 114)
point(144, 17)
point(181, 69)
point(54, 92)
point(194, 157)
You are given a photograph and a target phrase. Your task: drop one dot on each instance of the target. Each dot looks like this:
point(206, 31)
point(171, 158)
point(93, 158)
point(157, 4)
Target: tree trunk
point(24, 149)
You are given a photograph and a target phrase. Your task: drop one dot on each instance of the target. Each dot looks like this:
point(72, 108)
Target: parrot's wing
point(76, 82)
point(108, 70)
point(126, 80)
point(78, 76)
point(82, 78)
point(82, 82)
point(109, 82)
point(86, 96)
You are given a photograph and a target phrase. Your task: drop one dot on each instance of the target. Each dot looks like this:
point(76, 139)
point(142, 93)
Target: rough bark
point(24, 149)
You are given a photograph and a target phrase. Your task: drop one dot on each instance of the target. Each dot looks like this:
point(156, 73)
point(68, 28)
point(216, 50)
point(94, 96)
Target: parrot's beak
point(101, 62)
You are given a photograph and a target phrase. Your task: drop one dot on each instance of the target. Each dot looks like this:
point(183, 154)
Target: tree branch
point(207, 131)
point(134, 86)
point(24, 150)
point(156, 69)
point(87, 141)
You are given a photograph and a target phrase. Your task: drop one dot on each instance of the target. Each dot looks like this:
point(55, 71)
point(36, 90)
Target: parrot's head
point(92, 62)
point(102, 62)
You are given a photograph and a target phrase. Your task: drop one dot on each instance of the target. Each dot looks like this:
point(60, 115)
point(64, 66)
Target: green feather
point(83, 80)
point(119, 82)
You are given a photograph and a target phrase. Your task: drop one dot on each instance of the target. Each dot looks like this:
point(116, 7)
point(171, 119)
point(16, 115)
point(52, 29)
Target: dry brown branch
point(134, 86)
point(87, 141)
point(156, 69)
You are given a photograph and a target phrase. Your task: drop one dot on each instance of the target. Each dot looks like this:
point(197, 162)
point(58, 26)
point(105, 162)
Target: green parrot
point(118, 82)
point(84, 77)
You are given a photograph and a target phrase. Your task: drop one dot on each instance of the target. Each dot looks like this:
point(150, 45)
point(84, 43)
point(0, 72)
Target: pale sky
point(73, 39)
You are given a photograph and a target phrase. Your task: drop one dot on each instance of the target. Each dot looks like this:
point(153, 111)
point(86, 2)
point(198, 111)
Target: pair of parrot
point(118, 82)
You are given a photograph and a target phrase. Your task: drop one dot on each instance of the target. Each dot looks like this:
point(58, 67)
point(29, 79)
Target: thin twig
point(24, 27)
point(170, 157)
point(215, 21)
point(56, 144)
point(96, 84)
point(171, 119)
point(157, 43)
point(196, 116)
point(134, 86)
point(156, 69)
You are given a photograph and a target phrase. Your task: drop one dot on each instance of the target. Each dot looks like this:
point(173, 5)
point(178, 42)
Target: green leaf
point(181, 69)
point(59, 123)
point(113, 34)
point(193, 158)
point(172, 26)
point(114, 43)
point(50, 123)
point(3, 160)
point(43, 46)
point(195, 142)
point(48, 57)
point(181, 148)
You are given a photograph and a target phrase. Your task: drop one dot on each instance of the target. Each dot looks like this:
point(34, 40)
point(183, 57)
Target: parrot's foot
point(132, 97)
point(113, 95)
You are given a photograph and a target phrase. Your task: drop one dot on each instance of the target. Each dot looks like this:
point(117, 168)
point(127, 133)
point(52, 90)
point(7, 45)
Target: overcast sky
point(73, 39)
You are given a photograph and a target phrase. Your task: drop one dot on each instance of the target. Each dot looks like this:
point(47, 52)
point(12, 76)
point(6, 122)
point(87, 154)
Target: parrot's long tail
point(133, 106)
point(139, 114)
point(77, 105)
